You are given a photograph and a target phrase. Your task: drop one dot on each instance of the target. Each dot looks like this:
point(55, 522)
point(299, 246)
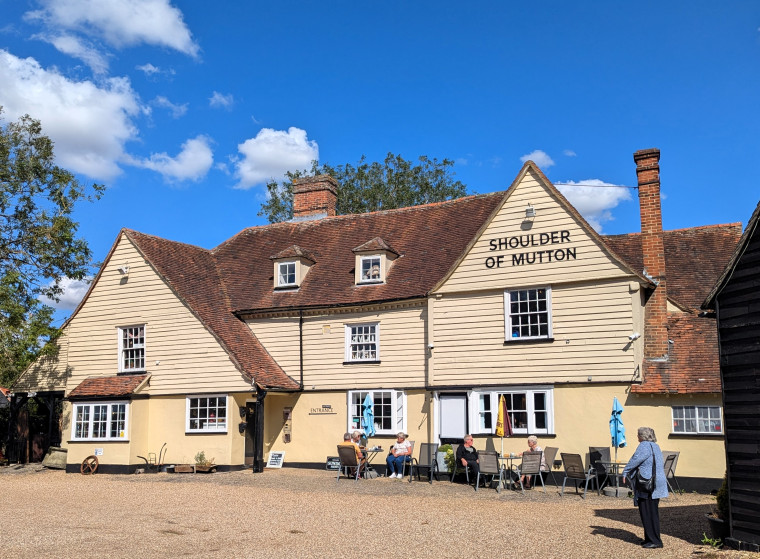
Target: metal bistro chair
point(426, 461)
point(348, 462)
point(670, 470)
point(531, 466)
point(458, 468)
point(574, 470)
point(489, 466)
point(598, 454)
point(550, 454)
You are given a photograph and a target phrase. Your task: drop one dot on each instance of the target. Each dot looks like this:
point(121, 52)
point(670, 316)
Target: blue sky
point(184, 109)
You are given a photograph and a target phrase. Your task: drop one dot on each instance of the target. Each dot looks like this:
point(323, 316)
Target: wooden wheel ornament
point(89, 465)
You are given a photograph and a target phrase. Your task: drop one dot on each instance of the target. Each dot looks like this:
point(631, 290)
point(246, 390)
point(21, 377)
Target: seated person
point(467, 456)
point(401, 452)
point(533, 447)
point(359, 455)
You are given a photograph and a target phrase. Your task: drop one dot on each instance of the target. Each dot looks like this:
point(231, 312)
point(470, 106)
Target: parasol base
point(619, 492)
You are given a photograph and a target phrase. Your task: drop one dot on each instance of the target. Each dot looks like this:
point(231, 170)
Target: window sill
point(132, 372)
point(528, 341)
point(209, 432)
point(362, 362)
point(371, 282)
point(696, 435)
point(73, 441)
point(293, 287)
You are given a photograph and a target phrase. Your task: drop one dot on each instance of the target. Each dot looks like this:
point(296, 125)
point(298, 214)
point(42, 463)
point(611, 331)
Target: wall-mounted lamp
point(242, 412)
point(123, 270)
point(241, 427)
point(634, 336)
point(530, 211)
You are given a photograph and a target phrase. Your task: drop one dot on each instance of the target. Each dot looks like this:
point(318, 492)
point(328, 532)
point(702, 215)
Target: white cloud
point(89, 123)
point(148, 69)
point(73, 292)
point(176, 110)
point(273, 152)
point(221, 100)
point(74, 46)
point(192, 163)
point(593, 201)
point(539, 157)
point(120, 23)
point(569, 153)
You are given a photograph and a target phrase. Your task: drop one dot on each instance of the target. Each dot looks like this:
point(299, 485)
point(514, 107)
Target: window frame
point(295, 273)
point(398, 407)
point(122, 350)
point(508, 337)
point(491, 395)
point(348, 354)
point(90, 420)
point(697, 420)
point(206, 429)
point(370, 258)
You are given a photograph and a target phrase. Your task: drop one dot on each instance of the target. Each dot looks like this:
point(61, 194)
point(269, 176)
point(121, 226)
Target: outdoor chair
point(670, 474)
point(426, 461)
point(489, 466)
point(531, 466)
point(550, 455)
point(349, 465)
point(406, 463)
point(458, 468)
point(574, 470)
point(598, 454)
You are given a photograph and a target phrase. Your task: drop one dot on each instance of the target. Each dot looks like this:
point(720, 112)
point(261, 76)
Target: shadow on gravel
point(685, 522)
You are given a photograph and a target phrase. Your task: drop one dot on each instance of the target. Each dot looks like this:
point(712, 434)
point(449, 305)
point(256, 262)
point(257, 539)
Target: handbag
point(642, 484)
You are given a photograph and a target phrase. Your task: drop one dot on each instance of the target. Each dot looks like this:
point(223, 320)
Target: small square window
point(206, 413)
point(370, 269)
point(362, 342)
point(528, 313)
point(286, 274)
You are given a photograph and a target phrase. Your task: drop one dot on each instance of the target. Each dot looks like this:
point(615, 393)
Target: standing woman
point(648, 459)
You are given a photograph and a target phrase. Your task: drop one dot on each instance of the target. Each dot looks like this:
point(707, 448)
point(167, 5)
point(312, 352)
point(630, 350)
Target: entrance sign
point(275, 459)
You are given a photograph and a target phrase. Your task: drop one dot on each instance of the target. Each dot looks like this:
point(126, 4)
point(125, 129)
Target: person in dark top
point(467, 456)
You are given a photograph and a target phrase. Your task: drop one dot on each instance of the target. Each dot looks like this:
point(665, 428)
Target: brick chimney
point(652, 246)
point(314, 197)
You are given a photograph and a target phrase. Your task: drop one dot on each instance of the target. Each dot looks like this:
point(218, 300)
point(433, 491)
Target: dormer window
point(371, 268)
point(286, 274)
point(373, 261)
point(290, 267)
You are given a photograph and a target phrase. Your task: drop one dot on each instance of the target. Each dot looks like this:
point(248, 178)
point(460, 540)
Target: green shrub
point(722, 498)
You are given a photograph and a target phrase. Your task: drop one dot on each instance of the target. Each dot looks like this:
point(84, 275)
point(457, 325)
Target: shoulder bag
point(642, 484)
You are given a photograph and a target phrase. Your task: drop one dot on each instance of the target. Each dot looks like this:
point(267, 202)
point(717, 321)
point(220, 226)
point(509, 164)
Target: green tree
point(38, 242)
point(368, 187)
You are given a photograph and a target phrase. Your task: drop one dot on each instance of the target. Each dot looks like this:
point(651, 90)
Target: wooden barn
point(736, 300)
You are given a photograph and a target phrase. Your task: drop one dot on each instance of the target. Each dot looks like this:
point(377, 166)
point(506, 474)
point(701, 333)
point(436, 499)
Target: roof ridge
point(163, 239)
point(713, 226)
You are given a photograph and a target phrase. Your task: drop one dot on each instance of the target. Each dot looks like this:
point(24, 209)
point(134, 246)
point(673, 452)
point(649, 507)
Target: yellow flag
point(500, 419)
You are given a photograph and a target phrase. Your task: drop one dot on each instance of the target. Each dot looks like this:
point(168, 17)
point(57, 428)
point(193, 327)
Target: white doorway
point(453, 417)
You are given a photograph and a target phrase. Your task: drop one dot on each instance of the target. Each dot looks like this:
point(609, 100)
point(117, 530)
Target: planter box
point(184, 469)
point(718, 528)
point(441, 459)
point(209, 469)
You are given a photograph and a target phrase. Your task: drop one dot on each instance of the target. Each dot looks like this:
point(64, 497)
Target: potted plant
point(445, 458)
point(202, 464)
point(718, 519)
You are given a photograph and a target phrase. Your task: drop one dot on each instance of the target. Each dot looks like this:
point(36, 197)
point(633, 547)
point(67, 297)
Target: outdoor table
point(369, 455)
point(508, 463)
point(614, 469)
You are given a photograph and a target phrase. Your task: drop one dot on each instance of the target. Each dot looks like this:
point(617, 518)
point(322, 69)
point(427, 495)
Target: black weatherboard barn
point(736, 299)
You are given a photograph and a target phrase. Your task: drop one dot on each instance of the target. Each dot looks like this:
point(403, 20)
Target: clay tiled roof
point(193, 275)
point(428, 239)
point(107, 387)
point(293, 251)
point(694, 258)
point(373, 245)
point(692, 366)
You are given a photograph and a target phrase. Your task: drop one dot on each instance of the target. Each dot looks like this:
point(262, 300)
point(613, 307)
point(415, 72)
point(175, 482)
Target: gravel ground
point(305, 513)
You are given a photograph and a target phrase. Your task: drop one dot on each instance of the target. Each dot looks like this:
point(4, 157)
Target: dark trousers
point(650, 518)
point(474, 469)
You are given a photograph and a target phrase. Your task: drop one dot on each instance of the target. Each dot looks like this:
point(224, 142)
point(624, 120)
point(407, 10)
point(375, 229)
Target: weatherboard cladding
point(236, 278)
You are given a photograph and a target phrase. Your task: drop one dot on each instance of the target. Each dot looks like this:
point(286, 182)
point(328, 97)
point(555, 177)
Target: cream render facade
point(442, 358)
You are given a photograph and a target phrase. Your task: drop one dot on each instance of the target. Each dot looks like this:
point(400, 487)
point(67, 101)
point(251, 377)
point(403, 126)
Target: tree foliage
point(368, 187)
point(38, 242)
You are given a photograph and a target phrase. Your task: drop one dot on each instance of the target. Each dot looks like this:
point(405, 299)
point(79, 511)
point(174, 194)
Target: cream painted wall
point(402, 347)
point(591, 323)
point(47, 373)
point(591, 262)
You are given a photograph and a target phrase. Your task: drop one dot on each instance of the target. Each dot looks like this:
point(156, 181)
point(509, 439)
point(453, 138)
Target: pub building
point(272, 340)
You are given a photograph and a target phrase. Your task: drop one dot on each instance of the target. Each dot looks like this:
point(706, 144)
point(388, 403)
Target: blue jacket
point(642, 458)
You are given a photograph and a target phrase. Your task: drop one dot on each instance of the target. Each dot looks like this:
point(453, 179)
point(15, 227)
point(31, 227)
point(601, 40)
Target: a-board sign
point(333, 463)
point(275, 459)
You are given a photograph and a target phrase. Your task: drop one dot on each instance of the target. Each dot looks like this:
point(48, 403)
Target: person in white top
point(533, 447)
point(401, 452)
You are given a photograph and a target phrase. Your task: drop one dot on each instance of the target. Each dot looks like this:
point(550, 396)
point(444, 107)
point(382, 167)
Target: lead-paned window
point(528, 313)
point(388, 409)
point(102, 420)
point(697, 419)
point(132, 349)
point(207, 413)
point(362, 342)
